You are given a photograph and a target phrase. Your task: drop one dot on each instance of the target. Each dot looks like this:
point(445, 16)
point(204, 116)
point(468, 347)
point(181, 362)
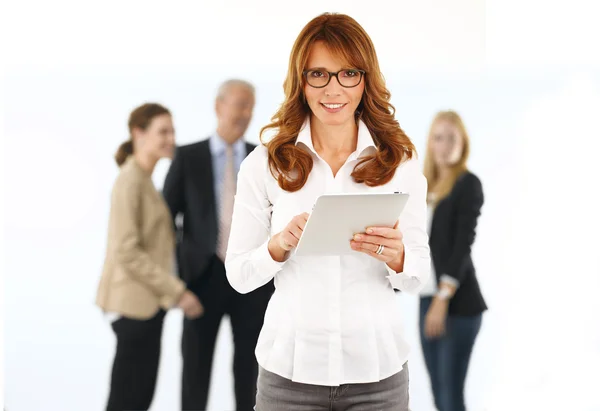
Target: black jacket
point(189, 191)
point(451, 237)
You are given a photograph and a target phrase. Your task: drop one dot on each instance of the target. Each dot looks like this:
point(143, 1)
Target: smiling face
point(333, 104)
point(158, 139)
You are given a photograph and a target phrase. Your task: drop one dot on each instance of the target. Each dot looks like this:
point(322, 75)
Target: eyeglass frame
point(332, 74)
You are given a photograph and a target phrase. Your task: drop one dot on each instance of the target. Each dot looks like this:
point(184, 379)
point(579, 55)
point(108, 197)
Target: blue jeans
point(447, 358)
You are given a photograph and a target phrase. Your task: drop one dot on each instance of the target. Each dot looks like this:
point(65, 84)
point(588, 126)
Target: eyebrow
point(325, 69)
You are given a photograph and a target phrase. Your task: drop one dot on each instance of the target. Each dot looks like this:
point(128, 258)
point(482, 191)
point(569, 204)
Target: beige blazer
point(137, 278)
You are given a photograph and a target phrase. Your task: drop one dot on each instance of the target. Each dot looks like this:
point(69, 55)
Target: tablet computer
point(335, 219)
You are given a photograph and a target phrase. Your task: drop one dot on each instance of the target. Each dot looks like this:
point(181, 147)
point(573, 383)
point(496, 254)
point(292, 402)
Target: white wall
point(76, 70)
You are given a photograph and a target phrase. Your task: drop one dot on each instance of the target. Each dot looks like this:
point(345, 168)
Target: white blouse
point(331, 320)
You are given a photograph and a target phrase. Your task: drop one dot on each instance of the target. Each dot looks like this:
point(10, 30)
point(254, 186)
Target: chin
point(334, 119)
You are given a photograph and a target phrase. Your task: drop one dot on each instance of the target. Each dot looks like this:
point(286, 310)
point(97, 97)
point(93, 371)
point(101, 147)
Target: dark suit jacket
point(452, 235)
point(189, 190)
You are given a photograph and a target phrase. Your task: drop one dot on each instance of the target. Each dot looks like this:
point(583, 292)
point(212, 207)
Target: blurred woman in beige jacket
point(137, 283)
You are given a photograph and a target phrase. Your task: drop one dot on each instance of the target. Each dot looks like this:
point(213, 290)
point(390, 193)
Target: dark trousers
point(447, 358)
point(135, 366)
point(246, 313)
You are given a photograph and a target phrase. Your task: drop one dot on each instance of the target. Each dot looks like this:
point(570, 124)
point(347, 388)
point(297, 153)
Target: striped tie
point(227, 198)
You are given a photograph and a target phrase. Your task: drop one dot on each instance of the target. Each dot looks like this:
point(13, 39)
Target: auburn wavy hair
point(435, 184)
point(349, 42)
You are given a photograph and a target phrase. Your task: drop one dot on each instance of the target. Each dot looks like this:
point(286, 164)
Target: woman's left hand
point(390, 239)
point(435, 319)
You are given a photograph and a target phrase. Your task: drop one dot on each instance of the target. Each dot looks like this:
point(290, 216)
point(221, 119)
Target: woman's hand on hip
point(383, 243)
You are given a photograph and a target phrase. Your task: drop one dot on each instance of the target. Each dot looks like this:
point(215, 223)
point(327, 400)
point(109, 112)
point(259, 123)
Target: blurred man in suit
point(200, 187)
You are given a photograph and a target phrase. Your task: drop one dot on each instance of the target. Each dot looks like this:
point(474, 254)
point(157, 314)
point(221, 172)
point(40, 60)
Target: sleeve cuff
point(266, 266)
point(445, 278)
point(401, 281)
point(404, 281)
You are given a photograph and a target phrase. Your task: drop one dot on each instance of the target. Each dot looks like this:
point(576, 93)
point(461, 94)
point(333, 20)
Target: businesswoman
point(451, 305)
point(137, 284)
point(332, 335)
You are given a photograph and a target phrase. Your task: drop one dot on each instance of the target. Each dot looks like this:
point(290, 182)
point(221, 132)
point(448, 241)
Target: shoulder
point(256, 161)
point(193, 147)
point(409, 169)
point(468, 188)
point(468, 181)
point(410, 165)
point(193, 151)
point(409, 178)
point(128, 182)
point(254, 175)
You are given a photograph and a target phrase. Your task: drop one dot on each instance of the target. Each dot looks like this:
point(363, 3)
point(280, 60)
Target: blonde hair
point(435, 185)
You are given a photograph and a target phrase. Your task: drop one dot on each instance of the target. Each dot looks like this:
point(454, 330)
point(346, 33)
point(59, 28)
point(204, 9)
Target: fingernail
point(357, 237)
point(369, 230)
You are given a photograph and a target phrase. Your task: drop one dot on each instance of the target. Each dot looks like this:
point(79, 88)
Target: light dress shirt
point(218, 148)
point(331, 320)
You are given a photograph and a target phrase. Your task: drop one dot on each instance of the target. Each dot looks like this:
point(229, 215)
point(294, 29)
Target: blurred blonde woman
point(451, 304)
point(137, 283)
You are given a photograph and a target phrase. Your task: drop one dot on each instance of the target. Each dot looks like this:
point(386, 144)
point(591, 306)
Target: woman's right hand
point(191, 305)
point(284, 241)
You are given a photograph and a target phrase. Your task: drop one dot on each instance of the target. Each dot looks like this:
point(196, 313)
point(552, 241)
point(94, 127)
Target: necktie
point(227, 198)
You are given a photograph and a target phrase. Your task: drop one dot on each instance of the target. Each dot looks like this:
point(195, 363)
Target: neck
point(443, 172)
point(337, 139)
point(227, 136)
point(145, 162)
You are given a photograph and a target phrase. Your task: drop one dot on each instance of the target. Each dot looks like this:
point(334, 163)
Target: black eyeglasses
point(319, 78)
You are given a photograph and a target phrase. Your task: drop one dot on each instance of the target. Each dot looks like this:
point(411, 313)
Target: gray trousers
point(276, 393)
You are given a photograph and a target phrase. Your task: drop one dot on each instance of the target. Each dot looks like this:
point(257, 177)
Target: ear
point(217, 106)
point(137, 135)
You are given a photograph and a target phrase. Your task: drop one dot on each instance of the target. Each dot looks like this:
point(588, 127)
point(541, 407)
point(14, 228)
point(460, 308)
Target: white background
point(525, 79)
